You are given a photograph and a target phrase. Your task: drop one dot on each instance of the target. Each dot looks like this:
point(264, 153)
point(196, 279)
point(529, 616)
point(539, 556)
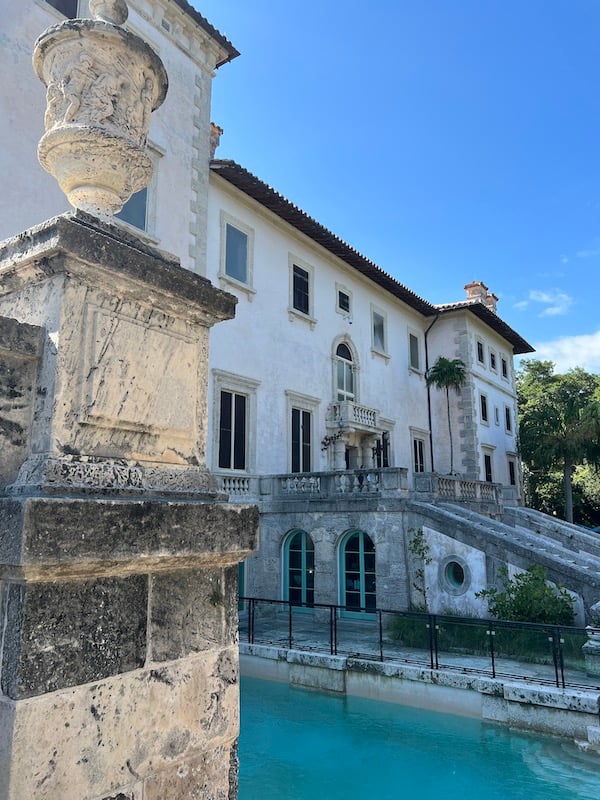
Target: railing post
point(251, 620)
point(552, 639)
point(491, 633)
point(335, 619)
point(290, 624)
point(379, 614)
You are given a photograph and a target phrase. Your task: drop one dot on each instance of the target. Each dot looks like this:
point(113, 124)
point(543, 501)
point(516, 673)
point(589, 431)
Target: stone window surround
point(419, 433)
point(488, 450)
point(355, 367)
point(480, 351)
point(375, 350)
point(294, 313)
point(417, 336)
point(305, 403)
point(512, 458)
point(484, 406)
point(230, 382)
point(443, 581)
point(246, 286)
point(339, 287)
point(508, 419)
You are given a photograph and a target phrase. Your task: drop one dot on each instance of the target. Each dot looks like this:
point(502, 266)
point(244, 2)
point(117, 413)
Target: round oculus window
point(455, 574)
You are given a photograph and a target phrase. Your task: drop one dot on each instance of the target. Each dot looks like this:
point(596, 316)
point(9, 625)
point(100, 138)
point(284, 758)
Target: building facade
point(319, 407)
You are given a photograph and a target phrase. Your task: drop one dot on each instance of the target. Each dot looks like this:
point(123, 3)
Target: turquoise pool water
point(302, 745)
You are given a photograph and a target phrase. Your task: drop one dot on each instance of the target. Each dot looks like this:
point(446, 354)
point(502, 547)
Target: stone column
point(118, 562)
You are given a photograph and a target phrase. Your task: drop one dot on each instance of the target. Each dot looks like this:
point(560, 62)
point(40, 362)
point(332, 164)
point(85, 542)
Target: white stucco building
point(319, 409)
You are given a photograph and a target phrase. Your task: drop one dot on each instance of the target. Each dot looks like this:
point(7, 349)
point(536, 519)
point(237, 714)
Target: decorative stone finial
point(114, 11)
point(102, 84)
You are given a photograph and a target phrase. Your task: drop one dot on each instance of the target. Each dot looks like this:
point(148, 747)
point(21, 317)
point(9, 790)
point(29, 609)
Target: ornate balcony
point(351, 416)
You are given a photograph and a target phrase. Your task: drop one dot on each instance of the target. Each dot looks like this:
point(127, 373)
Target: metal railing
point(543, 654)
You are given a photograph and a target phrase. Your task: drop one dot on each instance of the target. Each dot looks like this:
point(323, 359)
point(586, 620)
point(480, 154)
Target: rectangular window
point(413, 345)
point(512, 472)
point(480, 357)
point(135, 210)
point(378, 331)
point(343, 301)
point(66, 7)
point(483, 404)
point(381, 451)
point(504, 368)
point(301, 434)
point(508, 419)
point(236, 253)
point(487, 462)
point(492, 360)
point(418, 455)
point(300, 290)
point(232, 431)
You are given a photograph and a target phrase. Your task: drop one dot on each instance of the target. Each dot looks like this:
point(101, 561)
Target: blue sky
point(447, 140)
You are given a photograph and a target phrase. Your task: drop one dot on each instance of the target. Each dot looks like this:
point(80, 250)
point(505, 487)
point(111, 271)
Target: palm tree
point(447, 374)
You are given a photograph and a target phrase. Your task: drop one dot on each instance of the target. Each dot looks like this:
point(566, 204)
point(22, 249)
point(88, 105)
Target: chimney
point(477, 290)
point(490, 301)
point(215, 138)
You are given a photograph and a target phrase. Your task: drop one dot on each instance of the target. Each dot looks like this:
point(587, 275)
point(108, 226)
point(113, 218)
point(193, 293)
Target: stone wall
point(20, 351)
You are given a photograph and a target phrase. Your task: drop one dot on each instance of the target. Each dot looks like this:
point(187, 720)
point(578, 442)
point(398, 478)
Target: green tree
point(559, 422)
point(447, 374)
point(528, 597)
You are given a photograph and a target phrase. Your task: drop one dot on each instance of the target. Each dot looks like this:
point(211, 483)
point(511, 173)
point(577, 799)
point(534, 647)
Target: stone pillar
point(118, 562)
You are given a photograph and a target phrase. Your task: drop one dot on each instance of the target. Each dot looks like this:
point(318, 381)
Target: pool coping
point(568, 713)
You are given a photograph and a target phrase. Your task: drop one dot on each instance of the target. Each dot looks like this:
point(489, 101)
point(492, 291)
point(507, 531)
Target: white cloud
point(568, 352)
point(592, 253)
point(521, 305)
point(556, 302)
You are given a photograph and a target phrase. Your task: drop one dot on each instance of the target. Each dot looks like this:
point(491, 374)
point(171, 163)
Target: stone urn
point(102, 83)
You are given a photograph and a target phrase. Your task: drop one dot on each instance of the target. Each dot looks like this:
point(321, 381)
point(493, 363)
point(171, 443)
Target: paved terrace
point(273, 625)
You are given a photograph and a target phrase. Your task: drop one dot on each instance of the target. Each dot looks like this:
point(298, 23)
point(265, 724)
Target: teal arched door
point(357, 573)
point(299, 569)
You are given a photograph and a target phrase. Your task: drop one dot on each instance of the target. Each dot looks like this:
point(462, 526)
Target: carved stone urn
point(102, 83)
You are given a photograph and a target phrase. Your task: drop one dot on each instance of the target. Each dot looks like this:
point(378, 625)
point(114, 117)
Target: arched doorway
point(299, 569)
point(357, 573)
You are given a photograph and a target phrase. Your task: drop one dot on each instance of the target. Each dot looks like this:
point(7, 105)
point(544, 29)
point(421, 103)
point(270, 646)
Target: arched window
point(344, 373)
point(357, 573)
point(299, 569)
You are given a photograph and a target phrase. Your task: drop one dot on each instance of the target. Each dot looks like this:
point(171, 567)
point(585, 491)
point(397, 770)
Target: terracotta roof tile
point(271, 199)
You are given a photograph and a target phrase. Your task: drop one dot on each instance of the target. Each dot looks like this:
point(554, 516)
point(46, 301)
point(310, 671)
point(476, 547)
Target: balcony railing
point(545, 654)
point(455, 489)
point(347, 414)
point(386, 482)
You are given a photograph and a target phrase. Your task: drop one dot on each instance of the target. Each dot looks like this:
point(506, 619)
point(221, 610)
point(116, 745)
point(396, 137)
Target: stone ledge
point(98, 252)
point(571, 700)
point(49, 537)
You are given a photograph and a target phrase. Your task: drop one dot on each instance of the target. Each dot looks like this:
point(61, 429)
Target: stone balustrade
point(456, 489)
point(317, 485)
point(352, 415)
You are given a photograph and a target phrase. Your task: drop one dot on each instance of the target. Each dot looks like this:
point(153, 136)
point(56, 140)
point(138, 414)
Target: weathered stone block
point(199, 778)
point(128, 377)
point(204, 606)
point(58, 635)
point(20, 350)
point(75, 536)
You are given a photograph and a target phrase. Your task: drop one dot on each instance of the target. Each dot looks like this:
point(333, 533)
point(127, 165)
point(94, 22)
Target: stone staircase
point(570, 554)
